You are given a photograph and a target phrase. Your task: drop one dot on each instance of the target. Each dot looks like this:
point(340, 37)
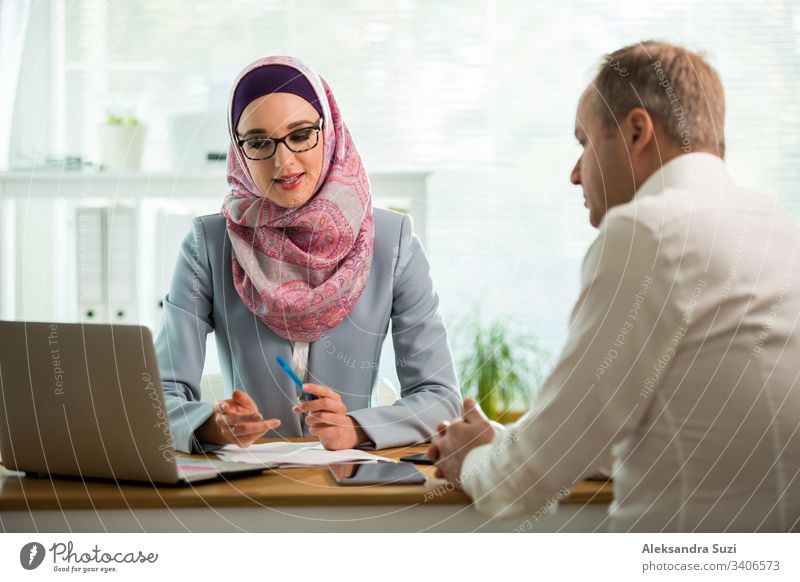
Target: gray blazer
point(202, 299)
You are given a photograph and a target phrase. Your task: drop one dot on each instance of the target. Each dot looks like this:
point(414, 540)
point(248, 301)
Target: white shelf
point(38, 262)
point(394, 184)
point(39, 277)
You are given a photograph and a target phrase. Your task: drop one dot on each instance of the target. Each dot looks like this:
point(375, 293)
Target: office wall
point(480, 92)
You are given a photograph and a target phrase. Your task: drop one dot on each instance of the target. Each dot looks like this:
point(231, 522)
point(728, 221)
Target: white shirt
point(300, 360)
point(682, 362)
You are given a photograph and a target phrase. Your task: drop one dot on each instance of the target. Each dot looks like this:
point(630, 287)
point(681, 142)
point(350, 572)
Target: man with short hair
point(682, 355)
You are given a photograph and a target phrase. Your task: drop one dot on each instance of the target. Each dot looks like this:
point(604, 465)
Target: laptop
point(85, 400)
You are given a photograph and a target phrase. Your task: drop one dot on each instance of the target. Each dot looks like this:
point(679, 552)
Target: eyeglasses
point(300, 140)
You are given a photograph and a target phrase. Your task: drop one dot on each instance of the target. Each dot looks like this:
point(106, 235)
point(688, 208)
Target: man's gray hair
point(677, 87)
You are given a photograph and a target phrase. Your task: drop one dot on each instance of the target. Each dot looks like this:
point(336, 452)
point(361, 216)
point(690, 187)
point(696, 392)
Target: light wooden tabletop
point(279, 487)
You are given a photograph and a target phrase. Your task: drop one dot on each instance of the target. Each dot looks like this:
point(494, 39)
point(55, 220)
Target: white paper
point(285, 454)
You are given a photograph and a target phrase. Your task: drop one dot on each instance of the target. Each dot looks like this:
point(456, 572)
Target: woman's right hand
point(236, 421)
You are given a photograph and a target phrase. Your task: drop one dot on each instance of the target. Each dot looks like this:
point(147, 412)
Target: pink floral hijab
point(301, 270)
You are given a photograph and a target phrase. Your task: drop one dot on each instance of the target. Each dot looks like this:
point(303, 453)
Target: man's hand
point(328, 420)
point(236, 421)
point(452, 443)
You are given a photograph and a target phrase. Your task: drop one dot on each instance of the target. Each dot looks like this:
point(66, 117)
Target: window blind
point(480, 92)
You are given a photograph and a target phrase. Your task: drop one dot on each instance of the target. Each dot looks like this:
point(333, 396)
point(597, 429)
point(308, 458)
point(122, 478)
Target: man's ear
point(640, 131)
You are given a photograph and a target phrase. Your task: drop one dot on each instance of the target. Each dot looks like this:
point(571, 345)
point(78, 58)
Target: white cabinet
point(101, 247)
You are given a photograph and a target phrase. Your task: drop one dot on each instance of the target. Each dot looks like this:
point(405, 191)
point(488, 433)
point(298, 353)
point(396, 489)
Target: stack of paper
point(284, 454)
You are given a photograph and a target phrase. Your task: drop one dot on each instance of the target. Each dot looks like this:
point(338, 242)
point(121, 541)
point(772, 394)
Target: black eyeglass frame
point(282, 140)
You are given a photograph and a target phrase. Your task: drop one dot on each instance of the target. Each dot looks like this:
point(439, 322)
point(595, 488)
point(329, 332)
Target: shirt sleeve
point(428, 385)
point(181, 342)
point(592, 399)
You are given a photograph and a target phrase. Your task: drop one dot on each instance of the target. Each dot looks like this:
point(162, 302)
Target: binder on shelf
point(106, 259)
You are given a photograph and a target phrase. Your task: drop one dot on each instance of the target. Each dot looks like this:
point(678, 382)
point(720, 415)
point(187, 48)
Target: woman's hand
point(236, 421)
point(328, 420)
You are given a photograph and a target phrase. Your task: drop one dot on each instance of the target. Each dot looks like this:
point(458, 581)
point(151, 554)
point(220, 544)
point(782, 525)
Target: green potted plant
point(501, 367)
point(121, 143)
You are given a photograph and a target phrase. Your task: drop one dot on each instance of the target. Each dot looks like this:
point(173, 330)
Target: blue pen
point(298, 382)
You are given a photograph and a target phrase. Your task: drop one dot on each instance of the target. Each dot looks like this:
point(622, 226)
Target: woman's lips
point(290, 182)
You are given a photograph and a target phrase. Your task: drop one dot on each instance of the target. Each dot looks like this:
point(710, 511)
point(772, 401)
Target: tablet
point(376, 474)
point(419, 459)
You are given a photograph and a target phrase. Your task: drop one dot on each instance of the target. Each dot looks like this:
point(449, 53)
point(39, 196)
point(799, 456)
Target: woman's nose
point(282, 155)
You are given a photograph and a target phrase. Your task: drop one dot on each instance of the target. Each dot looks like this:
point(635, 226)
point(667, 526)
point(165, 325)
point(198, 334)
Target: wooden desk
point(278, 500)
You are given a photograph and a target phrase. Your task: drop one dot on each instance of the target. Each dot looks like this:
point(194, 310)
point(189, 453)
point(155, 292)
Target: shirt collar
point(687, 172)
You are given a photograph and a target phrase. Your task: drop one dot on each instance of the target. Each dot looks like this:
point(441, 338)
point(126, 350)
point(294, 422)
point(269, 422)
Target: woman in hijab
point(298, 264)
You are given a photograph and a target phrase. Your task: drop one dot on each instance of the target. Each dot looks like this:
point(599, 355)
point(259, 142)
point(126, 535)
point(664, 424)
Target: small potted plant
point(501, 367)
point(121, 143)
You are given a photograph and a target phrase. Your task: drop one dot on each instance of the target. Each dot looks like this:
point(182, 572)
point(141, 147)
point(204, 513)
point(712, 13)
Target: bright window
point(480, 92)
